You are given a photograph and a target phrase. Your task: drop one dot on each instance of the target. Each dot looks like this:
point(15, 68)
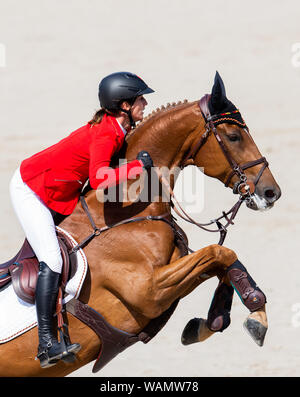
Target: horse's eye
point(234, 137)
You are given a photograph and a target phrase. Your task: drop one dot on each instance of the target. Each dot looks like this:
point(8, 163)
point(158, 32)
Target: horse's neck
point(166, 135)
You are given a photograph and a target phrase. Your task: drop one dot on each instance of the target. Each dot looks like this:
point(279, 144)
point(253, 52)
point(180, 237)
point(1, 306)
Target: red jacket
point(58, 173)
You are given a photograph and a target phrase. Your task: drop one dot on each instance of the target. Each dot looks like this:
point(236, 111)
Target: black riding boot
point(50, 351)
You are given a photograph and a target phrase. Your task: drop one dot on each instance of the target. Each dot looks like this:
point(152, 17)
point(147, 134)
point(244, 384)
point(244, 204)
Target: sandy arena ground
point(56, 52)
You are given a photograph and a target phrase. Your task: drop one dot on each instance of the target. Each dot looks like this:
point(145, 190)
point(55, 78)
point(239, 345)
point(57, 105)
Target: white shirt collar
point(122, 128)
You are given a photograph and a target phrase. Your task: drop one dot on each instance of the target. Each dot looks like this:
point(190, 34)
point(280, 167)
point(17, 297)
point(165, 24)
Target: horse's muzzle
point(264, 199)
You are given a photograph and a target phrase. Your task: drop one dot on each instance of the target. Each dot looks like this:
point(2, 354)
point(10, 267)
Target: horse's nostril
point(270, 195)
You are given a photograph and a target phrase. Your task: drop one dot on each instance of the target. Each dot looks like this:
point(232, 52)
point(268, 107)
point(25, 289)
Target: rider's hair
point(98, 116)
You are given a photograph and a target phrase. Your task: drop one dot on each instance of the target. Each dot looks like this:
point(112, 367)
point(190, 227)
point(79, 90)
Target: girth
point(113, 340)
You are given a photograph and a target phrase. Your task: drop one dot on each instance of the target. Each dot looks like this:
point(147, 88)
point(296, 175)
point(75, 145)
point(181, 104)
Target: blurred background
point(53, 55)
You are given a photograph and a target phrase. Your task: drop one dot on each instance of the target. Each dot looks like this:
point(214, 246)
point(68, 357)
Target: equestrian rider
point(50, 182)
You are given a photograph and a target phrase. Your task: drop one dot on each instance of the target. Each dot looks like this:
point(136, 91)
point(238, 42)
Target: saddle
point(22, 269)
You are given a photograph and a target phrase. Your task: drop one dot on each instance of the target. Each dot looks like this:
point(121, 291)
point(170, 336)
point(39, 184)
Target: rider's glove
point(145, 158)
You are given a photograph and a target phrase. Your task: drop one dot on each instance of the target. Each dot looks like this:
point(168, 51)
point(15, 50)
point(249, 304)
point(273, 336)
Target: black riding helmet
point(118, 87)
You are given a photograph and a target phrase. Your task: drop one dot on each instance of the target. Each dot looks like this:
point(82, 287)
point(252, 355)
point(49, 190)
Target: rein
point(222, 229)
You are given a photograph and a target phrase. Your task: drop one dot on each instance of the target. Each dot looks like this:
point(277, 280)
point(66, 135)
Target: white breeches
point(37, 223)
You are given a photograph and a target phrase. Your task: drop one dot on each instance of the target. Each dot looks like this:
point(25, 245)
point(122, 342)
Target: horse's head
point(227, 151)
point(210, 134)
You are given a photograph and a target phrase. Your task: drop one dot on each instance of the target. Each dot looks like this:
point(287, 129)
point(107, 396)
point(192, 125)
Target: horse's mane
point(156, 114)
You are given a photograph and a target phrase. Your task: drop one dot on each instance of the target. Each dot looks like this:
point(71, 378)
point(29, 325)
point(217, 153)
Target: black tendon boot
point(218, 317)
point(50, 351)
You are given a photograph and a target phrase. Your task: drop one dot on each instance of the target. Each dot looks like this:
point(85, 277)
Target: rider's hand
point(145, 158)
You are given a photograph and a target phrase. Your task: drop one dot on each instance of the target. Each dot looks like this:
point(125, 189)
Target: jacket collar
point(120, 130)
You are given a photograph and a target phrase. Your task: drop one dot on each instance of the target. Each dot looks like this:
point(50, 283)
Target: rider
point(50, 182)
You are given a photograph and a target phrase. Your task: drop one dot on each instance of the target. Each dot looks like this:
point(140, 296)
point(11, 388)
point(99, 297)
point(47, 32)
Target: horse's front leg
point(180, 277)
point(218, 318)
point(253, 298)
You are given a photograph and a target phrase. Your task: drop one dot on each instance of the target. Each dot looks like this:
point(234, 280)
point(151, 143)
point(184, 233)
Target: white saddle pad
point(18, 317)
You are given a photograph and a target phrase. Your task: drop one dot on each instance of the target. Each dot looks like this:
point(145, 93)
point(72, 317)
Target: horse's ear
point(218, 98)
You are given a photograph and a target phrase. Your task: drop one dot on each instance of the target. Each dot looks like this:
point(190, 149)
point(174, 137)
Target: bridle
point(242, 187)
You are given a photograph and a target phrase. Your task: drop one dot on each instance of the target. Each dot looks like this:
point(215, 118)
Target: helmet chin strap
point(128, 112)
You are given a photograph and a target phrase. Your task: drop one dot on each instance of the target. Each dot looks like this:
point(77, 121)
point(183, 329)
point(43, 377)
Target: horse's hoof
point(256, 330)
point(190, 332)
point(195, 331)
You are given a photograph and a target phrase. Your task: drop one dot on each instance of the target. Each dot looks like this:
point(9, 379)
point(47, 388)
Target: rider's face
point(137, 109)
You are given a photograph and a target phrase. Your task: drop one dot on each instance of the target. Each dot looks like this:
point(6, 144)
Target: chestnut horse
point(136, 270)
